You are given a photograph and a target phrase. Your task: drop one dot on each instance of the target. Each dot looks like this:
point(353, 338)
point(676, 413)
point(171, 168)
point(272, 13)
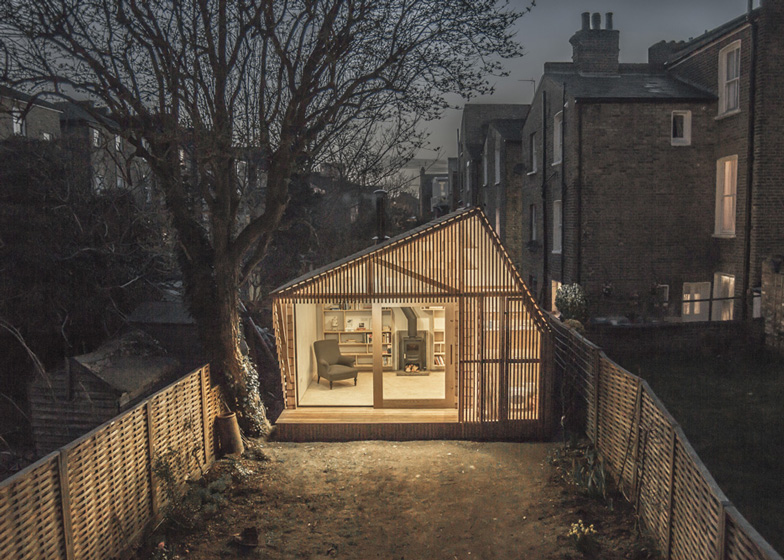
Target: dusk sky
point(545, 32)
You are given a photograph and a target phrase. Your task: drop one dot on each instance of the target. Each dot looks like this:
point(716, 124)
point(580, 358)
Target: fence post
point(65, 502)
point(597, 368)
point(636, 428)
point(671, 484)
point(151, 457)
point(208, 451)
point(721, 534)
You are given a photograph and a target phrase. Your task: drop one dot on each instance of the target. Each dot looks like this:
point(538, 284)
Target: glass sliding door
point(414, 355)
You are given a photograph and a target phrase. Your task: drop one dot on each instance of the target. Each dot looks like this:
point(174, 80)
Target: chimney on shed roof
point(595, 50)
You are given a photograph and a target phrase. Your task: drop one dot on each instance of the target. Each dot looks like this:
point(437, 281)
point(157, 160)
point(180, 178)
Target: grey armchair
point(331, 364)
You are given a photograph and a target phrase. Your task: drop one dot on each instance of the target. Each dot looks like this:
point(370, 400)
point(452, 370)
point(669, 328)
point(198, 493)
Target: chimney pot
point(608, 20)
point(596, 22)
point(586, 21)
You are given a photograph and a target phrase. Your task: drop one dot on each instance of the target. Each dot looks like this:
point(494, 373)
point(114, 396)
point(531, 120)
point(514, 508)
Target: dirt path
point(414, 500)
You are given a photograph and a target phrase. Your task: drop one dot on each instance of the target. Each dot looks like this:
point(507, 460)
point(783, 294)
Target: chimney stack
point(595, 50)
point(381, 217)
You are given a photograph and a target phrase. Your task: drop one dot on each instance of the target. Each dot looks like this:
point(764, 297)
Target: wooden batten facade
point(485, 336)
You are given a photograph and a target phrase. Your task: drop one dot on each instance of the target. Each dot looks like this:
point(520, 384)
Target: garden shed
point(93, 388)
point(433, 334)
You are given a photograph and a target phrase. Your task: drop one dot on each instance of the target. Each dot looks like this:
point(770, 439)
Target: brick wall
point(768, 176)
point(647, 206)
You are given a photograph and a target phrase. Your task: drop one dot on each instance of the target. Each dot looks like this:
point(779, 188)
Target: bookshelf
point(439, 340)
point(351, 326)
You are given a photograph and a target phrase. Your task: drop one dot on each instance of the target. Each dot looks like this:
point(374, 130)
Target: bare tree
point(191, 80)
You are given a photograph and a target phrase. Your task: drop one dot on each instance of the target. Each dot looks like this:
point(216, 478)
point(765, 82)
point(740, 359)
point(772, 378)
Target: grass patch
point(731, 407)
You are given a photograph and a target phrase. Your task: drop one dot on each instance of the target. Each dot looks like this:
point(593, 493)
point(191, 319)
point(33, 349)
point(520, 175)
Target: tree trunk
point(213, 299)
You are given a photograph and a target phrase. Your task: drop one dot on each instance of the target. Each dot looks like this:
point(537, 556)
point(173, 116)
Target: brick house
point(474, 125)
point(500, 194)
point(654, 185)
point(21, 115)
point(106, 157)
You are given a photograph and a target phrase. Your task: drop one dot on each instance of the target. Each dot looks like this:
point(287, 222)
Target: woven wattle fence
point(95, 497)
point(656, 467)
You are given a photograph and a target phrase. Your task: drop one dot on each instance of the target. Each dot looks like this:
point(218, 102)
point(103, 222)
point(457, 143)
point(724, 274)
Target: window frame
point(724, 196)
point(724, 81)
point(558, 138)
point(692, 310)
point(18, 122)
point(723, 309)
point(497, 163)
point(557, 227)
point(532, 153)
point(685, 140)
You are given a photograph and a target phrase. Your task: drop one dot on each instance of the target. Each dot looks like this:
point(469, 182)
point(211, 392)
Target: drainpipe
point(750, 167)
point(563, 177)
point(579, 259)
point(545, 254)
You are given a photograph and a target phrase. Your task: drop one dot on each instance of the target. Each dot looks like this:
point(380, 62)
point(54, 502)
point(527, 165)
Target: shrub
point(571, 302)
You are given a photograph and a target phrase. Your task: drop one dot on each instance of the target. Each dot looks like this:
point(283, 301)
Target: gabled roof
point(455, 255)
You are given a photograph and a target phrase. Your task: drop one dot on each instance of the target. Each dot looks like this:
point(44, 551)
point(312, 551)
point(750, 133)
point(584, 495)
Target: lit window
point(729, 78)
point(681, 128)
point(96, 137)
point(354, 213)
point(558, 138)
point(119, 176)
point(726, 193)
point(47, 136)
point(723, 294)
point(695, 301)
point(118, 143)
point(532, 156)
point(18, 122)
point(98, 183)
point(532, 225)
point(557, 226)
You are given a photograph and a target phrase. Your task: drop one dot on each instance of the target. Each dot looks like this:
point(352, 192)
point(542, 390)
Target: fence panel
point(95, 497)
point(653, 468)
point(658, 470)
point(31, 517)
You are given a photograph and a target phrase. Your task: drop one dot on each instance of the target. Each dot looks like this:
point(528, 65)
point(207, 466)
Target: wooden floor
point(345, 393)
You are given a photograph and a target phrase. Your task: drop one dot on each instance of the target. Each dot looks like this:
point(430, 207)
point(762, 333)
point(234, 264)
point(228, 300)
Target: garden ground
point(412, 500)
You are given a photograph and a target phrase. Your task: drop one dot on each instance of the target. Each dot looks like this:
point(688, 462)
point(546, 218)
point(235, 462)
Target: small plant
point(571, 301)
point(584, 538)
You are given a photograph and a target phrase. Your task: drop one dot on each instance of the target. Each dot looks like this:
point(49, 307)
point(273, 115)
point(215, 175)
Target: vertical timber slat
point(65, 501)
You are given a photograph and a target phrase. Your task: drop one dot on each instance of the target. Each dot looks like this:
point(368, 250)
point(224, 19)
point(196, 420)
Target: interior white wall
point(307, 321)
